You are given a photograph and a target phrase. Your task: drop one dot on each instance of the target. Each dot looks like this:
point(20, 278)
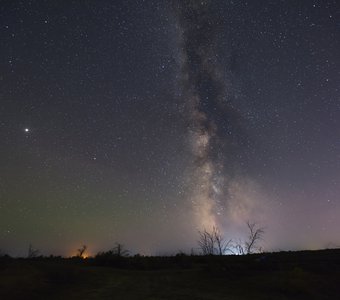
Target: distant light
point(27, 130)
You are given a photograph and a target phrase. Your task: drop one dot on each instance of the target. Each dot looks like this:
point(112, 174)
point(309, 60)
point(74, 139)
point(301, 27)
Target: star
point(27, 130)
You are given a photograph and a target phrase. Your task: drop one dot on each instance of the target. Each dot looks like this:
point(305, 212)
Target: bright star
point(27, 130)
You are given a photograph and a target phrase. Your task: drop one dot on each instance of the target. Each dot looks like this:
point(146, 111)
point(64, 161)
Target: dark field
point(284, 275)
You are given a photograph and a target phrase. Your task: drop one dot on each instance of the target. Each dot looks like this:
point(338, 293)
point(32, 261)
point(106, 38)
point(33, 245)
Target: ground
point(300, 275)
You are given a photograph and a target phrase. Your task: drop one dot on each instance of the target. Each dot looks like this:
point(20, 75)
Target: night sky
point(142, 122)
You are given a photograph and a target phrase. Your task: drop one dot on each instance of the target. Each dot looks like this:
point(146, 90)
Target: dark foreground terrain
point(284, 275)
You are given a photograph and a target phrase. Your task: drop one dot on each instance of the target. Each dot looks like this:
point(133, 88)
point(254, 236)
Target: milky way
point(215, 130)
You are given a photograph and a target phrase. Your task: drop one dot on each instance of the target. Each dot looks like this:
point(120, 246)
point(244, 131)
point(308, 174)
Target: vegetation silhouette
point(81, 251)
point(32, 253)
point(208, 274)
point(279, 275)
point(213, 243)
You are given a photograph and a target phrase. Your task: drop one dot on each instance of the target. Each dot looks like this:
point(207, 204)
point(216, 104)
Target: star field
point(142, 122)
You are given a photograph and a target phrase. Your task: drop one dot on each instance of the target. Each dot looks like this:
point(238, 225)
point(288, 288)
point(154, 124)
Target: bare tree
point(255, 235)
point(119, 250)
point(32, 252)
point(222, 245)
point(239, 248)
point(206, 242)
point(81, 251)
point(251, 243)
point(213, 243)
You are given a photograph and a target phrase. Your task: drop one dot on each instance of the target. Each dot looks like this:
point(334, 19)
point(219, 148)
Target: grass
point(295, 275)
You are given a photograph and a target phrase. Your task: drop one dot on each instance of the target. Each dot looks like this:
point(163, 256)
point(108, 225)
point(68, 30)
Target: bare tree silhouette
point(213, 243)
point(81, 251)
point(119, 250)
point(32, 252)
point(251, 244)
point(206, 242)
point(255, 235)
